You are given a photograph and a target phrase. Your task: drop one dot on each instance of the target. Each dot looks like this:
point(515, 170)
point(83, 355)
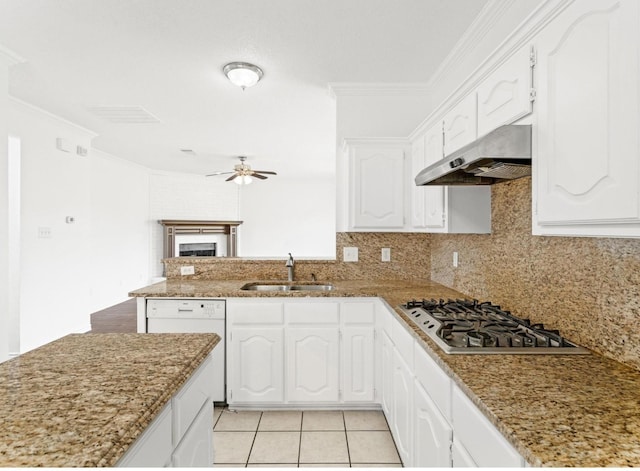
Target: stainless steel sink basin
point(287, 287)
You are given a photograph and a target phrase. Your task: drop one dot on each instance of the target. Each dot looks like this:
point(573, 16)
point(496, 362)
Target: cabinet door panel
point(503, 97)
point(387, 377)
point(433, 434)
point(588, 125)
point(460, 124)
point(435, 196)
point(417, 192)
point(402, 408)
point(312, 364)
point(358, 379)
point(257, 372)
point(378, 194)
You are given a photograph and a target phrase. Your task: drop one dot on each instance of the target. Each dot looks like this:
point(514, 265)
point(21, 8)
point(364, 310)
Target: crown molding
point(10, 57)
point(337, 89)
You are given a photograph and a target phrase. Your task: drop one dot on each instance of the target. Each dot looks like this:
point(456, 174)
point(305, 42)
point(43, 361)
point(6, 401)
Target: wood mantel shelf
point(172, 227)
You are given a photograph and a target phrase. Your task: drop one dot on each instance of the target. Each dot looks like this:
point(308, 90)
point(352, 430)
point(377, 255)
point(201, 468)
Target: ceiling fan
point(242, 173)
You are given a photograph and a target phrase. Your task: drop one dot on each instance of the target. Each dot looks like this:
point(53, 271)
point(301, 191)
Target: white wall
point(285, 215)
point(4, 212)
point(88, 264)
point(181, 196)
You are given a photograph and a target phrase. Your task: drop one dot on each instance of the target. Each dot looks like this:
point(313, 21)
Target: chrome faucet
point(290, 263)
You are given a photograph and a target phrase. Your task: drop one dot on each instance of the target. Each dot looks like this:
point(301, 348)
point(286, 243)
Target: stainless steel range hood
point(503, 154)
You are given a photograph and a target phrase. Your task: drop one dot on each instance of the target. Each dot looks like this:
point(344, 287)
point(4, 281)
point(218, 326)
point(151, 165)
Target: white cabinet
point(432, 433)
point(182, 433)
point(358, 323)
point(586, 166)
point(460, 124)
point(376, 186)
point(288, 352)
point(402, 404)
point(478, 437)
point(448, 209)
point(387, 377)
point(255, 351)
point(505, 95)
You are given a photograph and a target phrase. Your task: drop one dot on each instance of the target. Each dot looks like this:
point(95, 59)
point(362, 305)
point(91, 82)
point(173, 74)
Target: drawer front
point(403, 342)
point(254, 313)
point(353, 313)
point(480, 438)
point(311, 313)
point(191, 397)
point(434, 380)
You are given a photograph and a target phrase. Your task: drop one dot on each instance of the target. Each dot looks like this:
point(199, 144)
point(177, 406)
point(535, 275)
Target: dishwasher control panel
point(186, 308)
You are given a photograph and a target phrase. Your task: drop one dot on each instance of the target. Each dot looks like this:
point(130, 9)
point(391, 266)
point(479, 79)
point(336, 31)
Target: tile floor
point(303, 439)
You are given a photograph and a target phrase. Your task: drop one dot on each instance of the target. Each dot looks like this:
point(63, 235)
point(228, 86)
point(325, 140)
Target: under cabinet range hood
point(503, 154)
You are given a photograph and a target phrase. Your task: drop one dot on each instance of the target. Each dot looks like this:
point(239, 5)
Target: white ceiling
point(166, 56)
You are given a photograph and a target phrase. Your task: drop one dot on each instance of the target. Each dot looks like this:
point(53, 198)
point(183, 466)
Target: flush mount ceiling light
point(243, 74)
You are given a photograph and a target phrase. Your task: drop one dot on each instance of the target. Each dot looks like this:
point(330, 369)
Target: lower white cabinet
point(182, 433)
point(289, 352)
point(432, 433)
point(386, 398)
point(312, 364)
point(402, 404)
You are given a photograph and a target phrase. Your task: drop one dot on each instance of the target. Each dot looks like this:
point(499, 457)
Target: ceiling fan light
point(243, 74)
point(243, 180)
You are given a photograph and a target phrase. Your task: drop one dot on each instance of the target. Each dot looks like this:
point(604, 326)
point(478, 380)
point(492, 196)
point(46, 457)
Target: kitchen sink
point(287, 287)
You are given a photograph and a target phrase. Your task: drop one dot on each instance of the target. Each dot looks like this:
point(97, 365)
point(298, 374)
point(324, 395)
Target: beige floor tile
point(322, 420)
point(372, 447)
point(365, 420)
point(230, 465)
point(270, 465)
point(275, 447)
point(324, 447)
point(232, 447)
point(324, 465)
point(376, 465)
point(281, 420)
point(242, 421)
point(216, 414)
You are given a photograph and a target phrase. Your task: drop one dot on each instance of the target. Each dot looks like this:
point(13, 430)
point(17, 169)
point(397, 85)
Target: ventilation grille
point(118, 114)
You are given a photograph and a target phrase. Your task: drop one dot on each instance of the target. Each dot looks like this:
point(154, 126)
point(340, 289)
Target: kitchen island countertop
point(556, 410)
point(82, 400)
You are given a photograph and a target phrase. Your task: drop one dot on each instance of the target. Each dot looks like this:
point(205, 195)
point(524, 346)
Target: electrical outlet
point(386, 254)
point(455, 259)
point(44, 233)
point(350, 254)
point(188, 270)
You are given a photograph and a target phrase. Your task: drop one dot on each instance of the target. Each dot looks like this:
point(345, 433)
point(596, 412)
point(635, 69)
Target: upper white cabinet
point(451, 209)
point(586, 165)
point(460, 124)
point(376, 186)
point(506, 94)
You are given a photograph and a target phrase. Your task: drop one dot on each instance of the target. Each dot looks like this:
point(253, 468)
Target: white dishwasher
point(173, 315)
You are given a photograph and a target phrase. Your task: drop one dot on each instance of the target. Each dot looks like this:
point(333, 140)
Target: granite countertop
point(83, 399)
point(556, 410)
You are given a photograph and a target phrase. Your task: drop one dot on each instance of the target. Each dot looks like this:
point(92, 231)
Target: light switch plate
point(350, 254)
point(188, 270)
point(385, 254)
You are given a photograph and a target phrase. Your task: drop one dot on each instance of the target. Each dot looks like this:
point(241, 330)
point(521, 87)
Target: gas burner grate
point(468, 326)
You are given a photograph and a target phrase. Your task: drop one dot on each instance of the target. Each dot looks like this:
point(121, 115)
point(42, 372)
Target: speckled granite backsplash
point(589, 288)
point(409, 260)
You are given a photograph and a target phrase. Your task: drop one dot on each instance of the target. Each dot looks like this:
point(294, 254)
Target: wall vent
point(123, 114)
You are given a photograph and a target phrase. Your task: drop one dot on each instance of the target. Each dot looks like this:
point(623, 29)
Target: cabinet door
point(195, 449)
point(433, 434)
point(377, 182)
point(402, 408)
point(588, 116)
point(504, 96)
point(312, 364)
point(460, 124)
point(387, 377)
point(256, 372)
point(435, 196)
point(358, 379)
point(418, 194)
point(460, 458)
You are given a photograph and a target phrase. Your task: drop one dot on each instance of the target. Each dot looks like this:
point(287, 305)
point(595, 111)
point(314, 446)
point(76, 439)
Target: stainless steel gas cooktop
point(470, 327)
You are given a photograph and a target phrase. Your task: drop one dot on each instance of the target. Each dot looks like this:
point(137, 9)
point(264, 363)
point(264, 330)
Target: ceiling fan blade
point(218, 173)
point(257, 175)
point(231, 177)
point(265, 171)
